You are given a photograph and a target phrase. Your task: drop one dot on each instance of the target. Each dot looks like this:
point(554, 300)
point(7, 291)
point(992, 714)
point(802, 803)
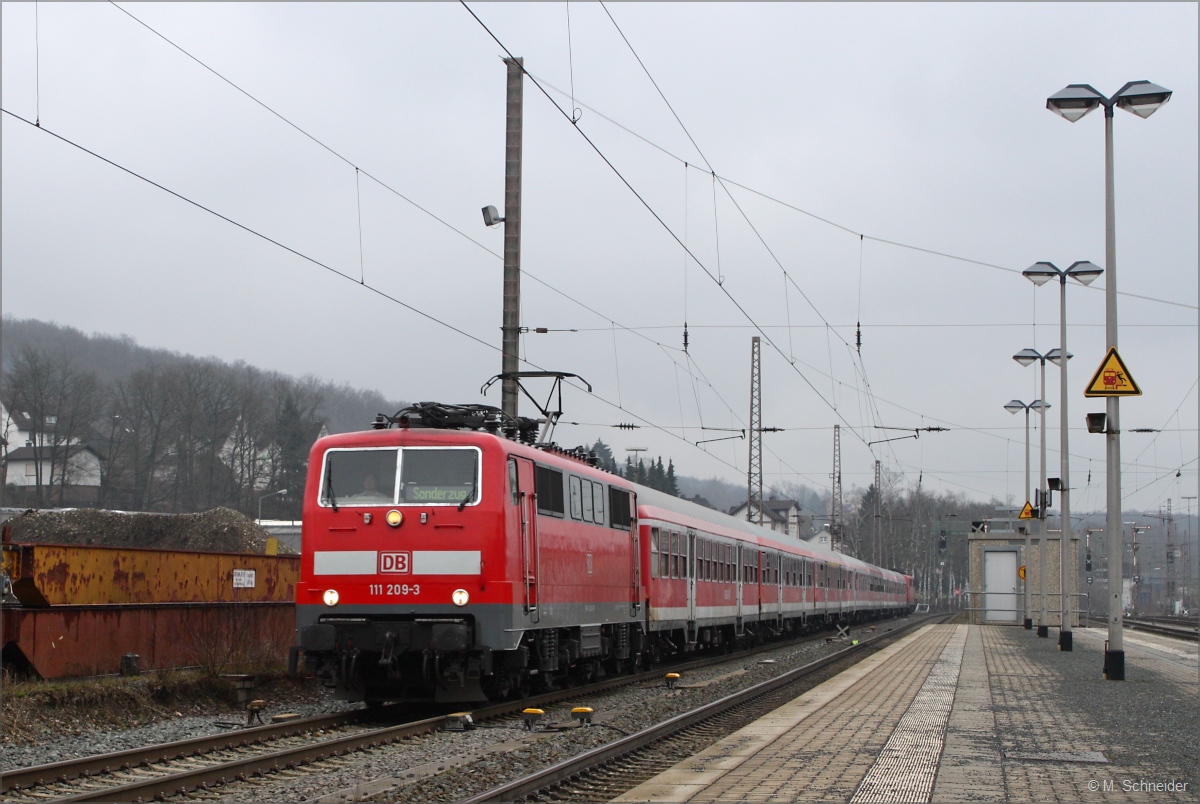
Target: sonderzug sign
point(398, 563)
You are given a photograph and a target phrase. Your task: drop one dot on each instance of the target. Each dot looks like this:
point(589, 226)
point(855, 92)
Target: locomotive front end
point(400, 531)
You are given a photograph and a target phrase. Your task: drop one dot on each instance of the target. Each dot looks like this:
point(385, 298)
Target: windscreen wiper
point(470, 493)
point(329, 483)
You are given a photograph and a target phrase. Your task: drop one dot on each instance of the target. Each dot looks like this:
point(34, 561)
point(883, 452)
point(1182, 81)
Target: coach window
point(587, 499)
point(653, 552)
point(598, 503)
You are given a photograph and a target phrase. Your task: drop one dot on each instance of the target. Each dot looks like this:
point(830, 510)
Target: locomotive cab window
point(359, 477)
point(439, 476)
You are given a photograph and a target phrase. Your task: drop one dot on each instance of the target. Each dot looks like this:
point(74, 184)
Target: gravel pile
point(219, 530)
point(628, 709)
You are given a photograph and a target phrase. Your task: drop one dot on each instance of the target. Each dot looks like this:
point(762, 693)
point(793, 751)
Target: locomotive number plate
point(399, 563)
point(394, 588)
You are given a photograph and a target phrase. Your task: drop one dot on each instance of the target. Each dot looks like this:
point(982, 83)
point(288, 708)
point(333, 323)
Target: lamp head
point(1074, 101)
point(1055, 356)
point(1015, 406)
point(1084, 271)
point(1027, 356)
point(1142, 98)
point(1041, 272)
point(490, 216)
point(1039, 405)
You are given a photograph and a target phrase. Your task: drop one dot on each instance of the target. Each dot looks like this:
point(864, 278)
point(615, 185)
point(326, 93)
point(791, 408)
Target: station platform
point(967, 713)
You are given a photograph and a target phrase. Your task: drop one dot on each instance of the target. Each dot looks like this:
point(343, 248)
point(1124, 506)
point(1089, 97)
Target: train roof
point(667, 502)
point(646, 496)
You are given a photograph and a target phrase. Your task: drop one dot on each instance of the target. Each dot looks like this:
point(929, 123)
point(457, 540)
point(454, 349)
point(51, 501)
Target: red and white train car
point(459, 563)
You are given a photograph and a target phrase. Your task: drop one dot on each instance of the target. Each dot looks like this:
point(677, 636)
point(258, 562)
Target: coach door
point(690, 564)
point(740, 575)
point(530, 554)
point(635, 575)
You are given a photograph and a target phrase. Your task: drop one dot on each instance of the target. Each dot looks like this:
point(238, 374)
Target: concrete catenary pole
point(512, 233)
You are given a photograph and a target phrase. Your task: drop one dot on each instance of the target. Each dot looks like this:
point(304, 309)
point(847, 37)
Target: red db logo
point(393, 562)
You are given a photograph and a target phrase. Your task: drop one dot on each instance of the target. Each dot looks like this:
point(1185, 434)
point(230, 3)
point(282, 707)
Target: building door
point(1000, 586)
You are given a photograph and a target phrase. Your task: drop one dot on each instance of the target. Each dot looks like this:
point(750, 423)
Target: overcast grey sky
point(922, 124)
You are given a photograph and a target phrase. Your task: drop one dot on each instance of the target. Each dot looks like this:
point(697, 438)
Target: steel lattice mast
point(837, 516)
point(754, 475)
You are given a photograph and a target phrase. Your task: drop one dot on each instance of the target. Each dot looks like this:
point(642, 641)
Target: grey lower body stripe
point(907, 766)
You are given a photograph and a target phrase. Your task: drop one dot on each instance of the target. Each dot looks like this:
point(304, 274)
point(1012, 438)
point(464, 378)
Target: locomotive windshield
point(359, 477)
point(433, 476)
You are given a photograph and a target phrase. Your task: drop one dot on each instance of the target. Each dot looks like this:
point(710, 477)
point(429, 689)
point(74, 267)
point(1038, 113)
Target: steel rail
point(547, 777)
point(24, 778)
point(1186, 631)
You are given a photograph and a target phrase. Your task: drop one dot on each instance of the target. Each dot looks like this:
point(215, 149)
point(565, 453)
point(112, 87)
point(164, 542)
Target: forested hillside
point(173, 432)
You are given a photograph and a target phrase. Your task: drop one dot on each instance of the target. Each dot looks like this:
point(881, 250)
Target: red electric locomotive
point(447, 557)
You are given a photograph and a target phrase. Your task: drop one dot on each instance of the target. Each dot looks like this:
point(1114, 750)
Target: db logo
point(393, 562)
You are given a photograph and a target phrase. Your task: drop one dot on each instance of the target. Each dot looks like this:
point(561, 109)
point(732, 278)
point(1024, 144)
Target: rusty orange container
point(75, 575)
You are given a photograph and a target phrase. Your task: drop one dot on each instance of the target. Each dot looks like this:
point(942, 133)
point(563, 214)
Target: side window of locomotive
point(587, 500)
point(513, 490)
point(359, 477)
point(549, 485)
point(598, 503)
point(653, 552)
point(439, 476)
point(619, 514)
point(576, 505)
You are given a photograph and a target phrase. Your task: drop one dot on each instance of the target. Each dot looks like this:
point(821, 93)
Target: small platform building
point(997, 560)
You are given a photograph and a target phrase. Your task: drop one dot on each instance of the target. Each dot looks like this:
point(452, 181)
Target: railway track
point(207, 762)
point(612, 769)
point(1175, 627)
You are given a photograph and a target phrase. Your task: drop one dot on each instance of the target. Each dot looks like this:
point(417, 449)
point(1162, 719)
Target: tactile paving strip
point(907, 766)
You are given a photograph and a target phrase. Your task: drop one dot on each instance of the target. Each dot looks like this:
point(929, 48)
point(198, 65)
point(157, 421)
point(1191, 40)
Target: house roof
point(29, 453)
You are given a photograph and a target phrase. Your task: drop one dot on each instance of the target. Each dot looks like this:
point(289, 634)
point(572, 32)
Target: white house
point(782, 516)
point(79, 482)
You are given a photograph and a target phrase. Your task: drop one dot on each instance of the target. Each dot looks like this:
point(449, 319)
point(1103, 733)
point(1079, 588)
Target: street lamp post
point(265, 496)
point(1039, 273)
point(1013, 407)
point(1025, 357)
point(1072, 103)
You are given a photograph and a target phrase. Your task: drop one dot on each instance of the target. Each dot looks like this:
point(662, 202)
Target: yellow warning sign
point(1021, 572)
point(1026, 512)
point(1112, 378)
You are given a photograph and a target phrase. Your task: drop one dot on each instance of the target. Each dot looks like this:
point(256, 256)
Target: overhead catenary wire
point(379, 292)
point(829, 222)
point(641, 199)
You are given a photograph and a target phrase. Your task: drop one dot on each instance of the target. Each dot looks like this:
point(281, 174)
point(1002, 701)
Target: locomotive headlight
point(331, 597)
point(394, 518)
point(460, 597)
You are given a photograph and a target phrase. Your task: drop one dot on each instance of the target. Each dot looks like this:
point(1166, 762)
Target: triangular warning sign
point(1026, 512)
point(1112, 378)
